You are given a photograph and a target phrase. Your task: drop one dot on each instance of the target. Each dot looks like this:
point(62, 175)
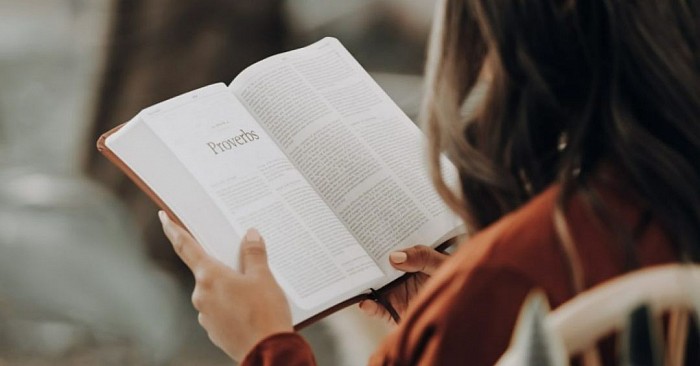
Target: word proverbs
point(233, 142)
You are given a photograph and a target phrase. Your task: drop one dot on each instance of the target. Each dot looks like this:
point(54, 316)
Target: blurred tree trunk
point(161, 48)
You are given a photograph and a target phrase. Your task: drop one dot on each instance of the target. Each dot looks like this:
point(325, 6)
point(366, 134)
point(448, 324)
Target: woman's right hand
point(421, 260)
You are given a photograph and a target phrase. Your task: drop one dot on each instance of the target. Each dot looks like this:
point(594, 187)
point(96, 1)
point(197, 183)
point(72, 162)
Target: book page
point(253, 184)
point(360, 152)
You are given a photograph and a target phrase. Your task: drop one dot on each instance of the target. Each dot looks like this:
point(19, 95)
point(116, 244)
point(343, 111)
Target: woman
point(582, 162)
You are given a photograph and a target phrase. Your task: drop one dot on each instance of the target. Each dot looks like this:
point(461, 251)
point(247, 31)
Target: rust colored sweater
point(466, 313)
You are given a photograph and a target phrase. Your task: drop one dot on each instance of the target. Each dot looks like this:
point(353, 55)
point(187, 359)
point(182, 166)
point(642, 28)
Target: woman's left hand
point(238, 309)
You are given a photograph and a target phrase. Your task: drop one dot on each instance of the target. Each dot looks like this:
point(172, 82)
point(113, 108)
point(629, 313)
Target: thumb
point(419, 258)
point(253, 257)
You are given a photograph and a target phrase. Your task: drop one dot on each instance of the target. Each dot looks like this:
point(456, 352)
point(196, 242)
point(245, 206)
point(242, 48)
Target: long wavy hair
point(573, 84)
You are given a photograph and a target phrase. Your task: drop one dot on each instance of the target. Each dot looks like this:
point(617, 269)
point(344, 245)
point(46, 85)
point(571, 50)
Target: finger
point(372, 309)
point(198, 300)
point(419, 258)
point(184, 244)
point(253, 258)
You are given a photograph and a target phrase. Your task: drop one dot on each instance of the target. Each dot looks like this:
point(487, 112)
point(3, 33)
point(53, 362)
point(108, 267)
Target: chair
point(576, 326)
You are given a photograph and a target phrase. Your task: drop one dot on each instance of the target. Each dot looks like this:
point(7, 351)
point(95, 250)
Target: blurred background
point(86, 276)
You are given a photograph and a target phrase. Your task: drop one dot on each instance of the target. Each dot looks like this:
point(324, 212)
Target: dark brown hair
point(574, 83)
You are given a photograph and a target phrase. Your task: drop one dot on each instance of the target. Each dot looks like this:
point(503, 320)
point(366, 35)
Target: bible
point(308, 149)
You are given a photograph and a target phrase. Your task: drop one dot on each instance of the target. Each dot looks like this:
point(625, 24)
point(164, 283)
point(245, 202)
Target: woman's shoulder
point(523, 242)
point(526, 241)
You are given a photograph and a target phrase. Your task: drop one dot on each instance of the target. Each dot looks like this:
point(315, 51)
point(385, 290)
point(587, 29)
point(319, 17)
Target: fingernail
point(163, 217)
point(398, 257)
point(252, 235)
point(168, 228)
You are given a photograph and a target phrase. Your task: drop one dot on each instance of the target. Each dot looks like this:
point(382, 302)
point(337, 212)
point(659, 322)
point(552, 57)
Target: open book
point(308, 149)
